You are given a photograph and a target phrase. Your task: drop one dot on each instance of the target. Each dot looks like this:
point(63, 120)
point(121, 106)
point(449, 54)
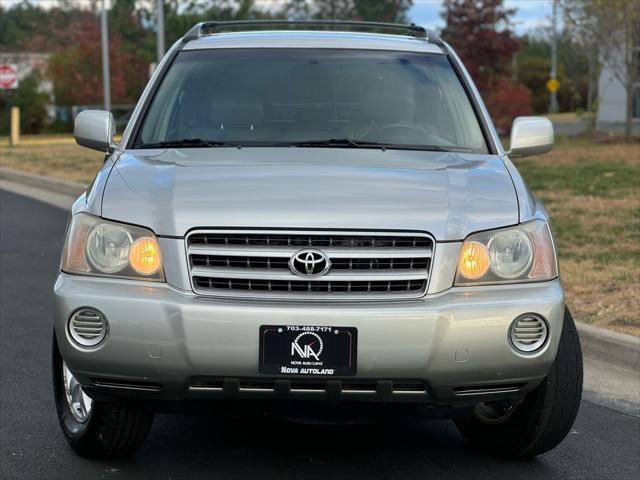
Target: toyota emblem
point(309, 263)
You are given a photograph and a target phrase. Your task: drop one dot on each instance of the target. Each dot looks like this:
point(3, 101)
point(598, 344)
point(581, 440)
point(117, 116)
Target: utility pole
point(160, 29)
point(106, 76)
point(553, 101)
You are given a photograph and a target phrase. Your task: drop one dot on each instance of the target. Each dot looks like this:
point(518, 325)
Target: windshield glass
point(311, 97)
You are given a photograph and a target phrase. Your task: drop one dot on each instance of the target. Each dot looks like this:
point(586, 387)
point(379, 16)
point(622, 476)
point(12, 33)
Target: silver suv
point(319, 212)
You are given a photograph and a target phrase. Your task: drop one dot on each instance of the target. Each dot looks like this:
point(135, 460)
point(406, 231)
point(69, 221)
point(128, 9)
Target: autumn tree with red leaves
point(79, 64)
point(479, 32)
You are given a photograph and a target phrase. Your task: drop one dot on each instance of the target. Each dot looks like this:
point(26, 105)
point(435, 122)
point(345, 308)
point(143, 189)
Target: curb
point(607, 346)
point(40, 181)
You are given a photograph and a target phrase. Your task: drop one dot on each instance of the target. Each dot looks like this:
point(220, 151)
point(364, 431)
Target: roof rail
point(208, 28)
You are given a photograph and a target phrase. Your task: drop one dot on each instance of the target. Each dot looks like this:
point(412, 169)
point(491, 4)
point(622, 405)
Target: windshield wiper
point(335, 142)
point(188, 142)
point(349, 143)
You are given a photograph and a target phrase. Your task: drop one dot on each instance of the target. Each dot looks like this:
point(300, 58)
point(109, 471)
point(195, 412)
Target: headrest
point(386, 101)
point(390, 107)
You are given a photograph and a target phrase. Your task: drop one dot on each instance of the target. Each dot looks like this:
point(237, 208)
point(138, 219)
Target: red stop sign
point(8, 76)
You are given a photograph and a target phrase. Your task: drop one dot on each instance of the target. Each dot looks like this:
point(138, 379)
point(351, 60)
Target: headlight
point(511, 253)
point(523, 253)
point(100, 247)
point(108, 247)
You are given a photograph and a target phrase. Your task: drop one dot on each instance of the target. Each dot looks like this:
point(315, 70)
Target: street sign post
point(14, 137)
point(8, 76)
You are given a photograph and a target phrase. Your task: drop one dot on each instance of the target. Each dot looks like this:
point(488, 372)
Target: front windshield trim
point(135, 142)
point(465, 81)
point(239, 144)
point(307, 143)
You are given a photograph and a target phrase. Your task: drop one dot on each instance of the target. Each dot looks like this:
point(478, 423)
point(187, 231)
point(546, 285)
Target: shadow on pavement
point(272, 448)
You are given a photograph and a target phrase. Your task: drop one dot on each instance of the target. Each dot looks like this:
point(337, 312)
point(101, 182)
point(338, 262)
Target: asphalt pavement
point(604, 443)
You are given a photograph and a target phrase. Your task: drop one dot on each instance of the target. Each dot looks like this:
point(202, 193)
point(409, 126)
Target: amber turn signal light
point(474, 260)
point(144, 256)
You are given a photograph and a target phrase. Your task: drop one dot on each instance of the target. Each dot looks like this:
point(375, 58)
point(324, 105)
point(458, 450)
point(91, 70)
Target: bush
point(507, 100)
point(32, 103)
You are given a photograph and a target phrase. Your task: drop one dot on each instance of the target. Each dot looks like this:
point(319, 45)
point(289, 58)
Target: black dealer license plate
point(305, 350)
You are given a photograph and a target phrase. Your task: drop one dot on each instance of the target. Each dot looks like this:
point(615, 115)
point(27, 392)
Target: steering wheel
point(395, 126)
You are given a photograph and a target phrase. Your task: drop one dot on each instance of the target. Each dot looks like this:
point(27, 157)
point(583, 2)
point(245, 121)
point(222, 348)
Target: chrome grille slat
point(363, 287)
point(353, 275)
point(282, 263)
point(311, 239)
point(255, 264)
point(333, 252)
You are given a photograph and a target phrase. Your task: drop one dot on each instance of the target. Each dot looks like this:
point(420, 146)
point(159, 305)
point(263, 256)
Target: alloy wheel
point(79, 402)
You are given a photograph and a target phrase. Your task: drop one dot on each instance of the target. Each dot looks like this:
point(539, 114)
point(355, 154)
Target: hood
point(446, 194)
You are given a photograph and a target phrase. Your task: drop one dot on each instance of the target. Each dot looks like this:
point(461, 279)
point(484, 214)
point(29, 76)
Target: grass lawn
point(591, 190)
point(53, 155)
point(567, 117)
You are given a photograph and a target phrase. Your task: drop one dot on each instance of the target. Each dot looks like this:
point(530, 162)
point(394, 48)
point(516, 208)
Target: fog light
point(528, 332)
point(87, 327)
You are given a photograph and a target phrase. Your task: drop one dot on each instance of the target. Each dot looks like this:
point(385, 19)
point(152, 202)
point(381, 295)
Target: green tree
point(180, 16)
point(128, 20)
point(32, 102)
point(365, 10)
point(17, 25)
point(137, 42)
point(533, 71)
point(27, 27)
point(534, 64)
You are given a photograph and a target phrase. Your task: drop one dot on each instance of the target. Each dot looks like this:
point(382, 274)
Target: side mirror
point(95, 129)
point(530, 136)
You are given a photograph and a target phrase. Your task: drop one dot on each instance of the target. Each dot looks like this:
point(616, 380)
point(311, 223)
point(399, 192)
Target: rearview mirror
point(530, 136)
point(95, 129)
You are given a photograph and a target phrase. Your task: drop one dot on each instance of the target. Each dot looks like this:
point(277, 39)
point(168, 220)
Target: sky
point(530, 14)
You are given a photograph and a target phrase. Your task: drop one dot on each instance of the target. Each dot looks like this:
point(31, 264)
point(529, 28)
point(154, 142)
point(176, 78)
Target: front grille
point(257, 264)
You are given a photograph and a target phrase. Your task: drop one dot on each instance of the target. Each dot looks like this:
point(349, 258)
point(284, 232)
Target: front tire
point(545, 417)
point(96, 429)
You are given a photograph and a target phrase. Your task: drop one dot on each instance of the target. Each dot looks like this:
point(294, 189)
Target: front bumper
point(454, 343)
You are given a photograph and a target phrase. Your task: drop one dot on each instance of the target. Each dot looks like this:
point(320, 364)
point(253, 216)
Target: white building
point(612, 104)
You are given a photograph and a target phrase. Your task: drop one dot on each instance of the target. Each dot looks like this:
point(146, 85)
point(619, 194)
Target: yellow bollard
point(15, 126)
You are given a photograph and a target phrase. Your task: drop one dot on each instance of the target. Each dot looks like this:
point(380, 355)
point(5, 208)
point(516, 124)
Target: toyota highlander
point(306, 213)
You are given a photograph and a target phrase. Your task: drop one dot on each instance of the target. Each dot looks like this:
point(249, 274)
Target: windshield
point(311, 97)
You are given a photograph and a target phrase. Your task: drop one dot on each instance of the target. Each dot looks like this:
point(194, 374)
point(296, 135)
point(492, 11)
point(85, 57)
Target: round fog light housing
point(87, 327)
point(528, 333)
